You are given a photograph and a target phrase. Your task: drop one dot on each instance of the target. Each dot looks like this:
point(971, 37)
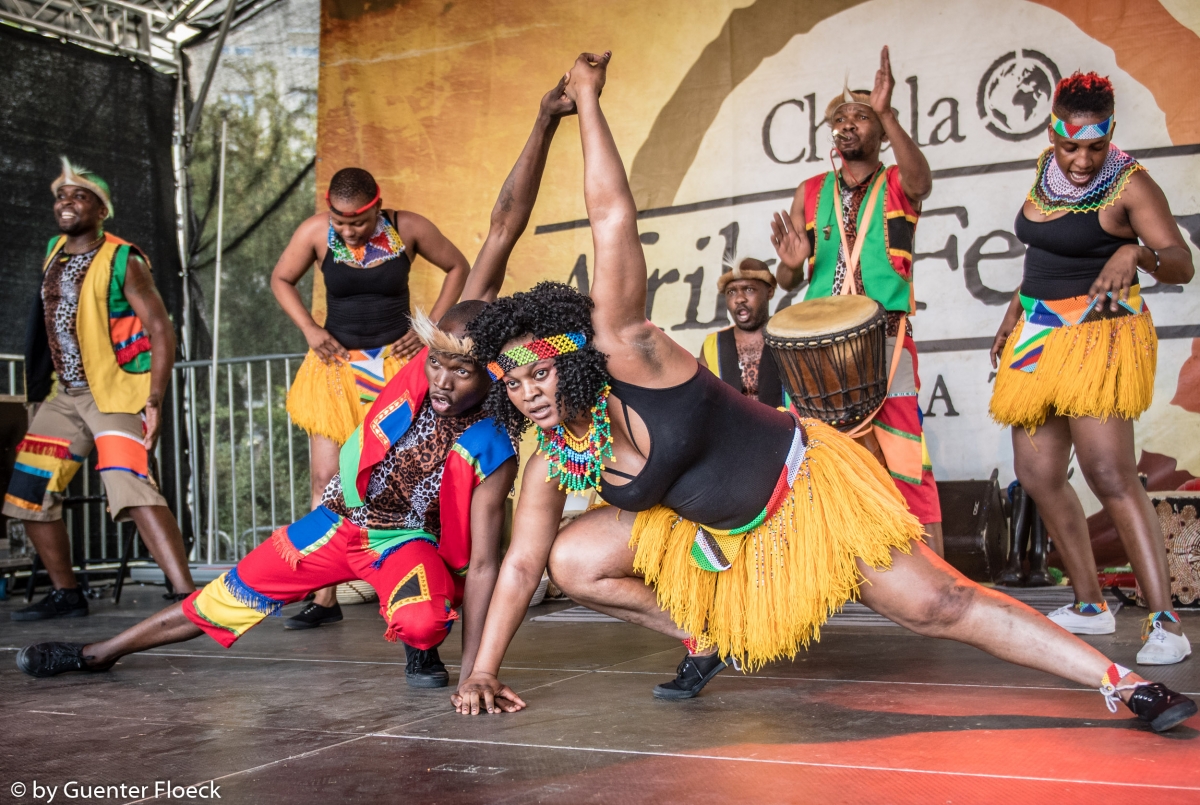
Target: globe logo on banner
point(1016, 93)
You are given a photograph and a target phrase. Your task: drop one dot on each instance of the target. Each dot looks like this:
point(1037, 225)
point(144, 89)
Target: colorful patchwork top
point(114, 348)
point(407, 473)
point(402, 491)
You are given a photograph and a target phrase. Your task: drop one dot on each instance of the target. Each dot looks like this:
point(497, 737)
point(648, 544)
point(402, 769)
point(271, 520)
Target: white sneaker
point(1164, 648)
point(1068, 618)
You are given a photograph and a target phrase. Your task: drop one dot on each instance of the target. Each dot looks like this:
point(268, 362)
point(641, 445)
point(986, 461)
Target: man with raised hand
point(855, 225)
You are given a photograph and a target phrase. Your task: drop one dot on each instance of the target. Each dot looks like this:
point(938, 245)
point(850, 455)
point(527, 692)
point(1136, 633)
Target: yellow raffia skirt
point(791, 573)
point(1095, 369)
point(331, 399)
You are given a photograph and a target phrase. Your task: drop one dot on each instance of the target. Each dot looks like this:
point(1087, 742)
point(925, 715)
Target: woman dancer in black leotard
point(365, 253)
point(1076, 353)
point(750, 528)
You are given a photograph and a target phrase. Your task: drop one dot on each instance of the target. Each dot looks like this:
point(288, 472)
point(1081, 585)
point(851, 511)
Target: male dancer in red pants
point(417, 507)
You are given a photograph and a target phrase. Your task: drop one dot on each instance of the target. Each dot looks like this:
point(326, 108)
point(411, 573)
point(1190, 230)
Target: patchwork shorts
point(418, 594)
point(61, 436)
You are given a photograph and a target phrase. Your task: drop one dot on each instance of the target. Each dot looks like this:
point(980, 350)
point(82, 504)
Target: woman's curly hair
point(551, 308)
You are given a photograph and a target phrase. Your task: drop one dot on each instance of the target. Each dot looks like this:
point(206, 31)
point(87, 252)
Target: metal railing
point(259, 484)
point(260, 461)
point(12, 372)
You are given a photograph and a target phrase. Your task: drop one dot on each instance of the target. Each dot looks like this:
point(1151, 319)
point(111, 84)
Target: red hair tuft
point(1084, 93)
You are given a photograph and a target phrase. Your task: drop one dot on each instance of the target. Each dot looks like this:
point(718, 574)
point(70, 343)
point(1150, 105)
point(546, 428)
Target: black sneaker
point(690, 677)
point(314, 615)
point(52, 659)
point(1161, 706)
point(424, 668)
point(70, 603)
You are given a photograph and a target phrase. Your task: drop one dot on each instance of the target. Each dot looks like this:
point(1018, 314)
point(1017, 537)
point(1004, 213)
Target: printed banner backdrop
point(715, 107)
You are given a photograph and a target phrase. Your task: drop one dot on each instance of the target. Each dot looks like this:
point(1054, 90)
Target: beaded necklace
point(577, 461)
point(383, 245)
point(1052, 191)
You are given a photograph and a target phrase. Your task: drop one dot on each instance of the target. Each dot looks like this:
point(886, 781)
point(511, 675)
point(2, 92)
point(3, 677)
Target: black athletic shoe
point(690, 677)
point(52, 659)
point(424, 668)
point(314, 615)
point(70, 603)
point(1162, 707)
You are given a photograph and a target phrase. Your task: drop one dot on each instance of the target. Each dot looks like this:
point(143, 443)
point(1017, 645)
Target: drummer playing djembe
point(882, 205)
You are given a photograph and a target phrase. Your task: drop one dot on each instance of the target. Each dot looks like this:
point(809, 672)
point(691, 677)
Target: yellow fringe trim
point(792, 572)
point(323, 399)
point(1097, 369)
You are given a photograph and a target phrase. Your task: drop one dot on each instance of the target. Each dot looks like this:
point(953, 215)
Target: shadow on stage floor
point(871, 714)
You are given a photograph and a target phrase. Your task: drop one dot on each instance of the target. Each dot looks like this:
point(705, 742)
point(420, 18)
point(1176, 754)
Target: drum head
point(817, 317)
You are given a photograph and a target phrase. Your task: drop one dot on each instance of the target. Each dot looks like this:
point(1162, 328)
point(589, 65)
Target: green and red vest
point(887, 255)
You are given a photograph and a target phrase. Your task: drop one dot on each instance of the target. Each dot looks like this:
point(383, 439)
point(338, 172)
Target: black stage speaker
point(974, 531)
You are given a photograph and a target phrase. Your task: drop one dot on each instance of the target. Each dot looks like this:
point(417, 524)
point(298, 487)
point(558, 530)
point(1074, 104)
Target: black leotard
point(367, 307)
point(1065, 255)
point(715, 455)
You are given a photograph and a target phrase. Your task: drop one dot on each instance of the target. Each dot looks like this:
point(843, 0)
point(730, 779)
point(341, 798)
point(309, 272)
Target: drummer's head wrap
point(534, 351)
point(438, 340)
point(75, 176)
point(747, 269)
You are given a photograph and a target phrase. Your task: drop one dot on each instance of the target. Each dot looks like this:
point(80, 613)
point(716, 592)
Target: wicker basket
point(356, 592)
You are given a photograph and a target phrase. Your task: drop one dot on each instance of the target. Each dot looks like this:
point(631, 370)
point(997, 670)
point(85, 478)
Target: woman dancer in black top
point(365, 253)
point(1076, 352)
point(751, 527)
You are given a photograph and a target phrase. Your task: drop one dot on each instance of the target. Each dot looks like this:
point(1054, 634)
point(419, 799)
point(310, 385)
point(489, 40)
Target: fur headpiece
point(438, 340)
point(82, 177)
point(860, 96)
point(747, 269)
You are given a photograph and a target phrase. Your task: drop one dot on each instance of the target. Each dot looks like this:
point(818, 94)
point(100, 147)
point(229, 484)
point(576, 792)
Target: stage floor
point(871, 714)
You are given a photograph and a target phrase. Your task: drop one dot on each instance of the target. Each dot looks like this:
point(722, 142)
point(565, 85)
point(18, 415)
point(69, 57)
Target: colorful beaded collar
point(577, 461)
point(1052, 191)
point(383, 245)
point(535, 351)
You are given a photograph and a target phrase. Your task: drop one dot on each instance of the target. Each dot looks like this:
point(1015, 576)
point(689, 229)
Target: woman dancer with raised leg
point(732, 526)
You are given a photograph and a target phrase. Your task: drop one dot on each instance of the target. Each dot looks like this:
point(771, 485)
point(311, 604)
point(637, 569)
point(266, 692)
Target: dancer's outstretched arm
point(513, 207)
point(539, 512)
point(638, 352)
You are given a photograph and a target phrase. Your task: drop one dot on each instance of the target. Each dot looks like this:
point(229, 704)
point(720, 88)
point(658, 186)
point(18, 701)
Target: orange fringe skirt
point(331, 399)
point(1095, 369)
point(788, 575)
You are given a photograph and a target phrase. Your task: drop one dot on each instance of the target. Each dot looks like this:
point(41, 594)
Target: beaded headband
point(360, 210)
point(535, 351)
point(1092, 131)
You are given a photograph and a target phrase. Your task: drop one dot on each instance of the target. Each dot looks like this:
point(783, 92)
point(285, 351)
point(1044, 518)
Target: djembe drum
point(832, 358)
